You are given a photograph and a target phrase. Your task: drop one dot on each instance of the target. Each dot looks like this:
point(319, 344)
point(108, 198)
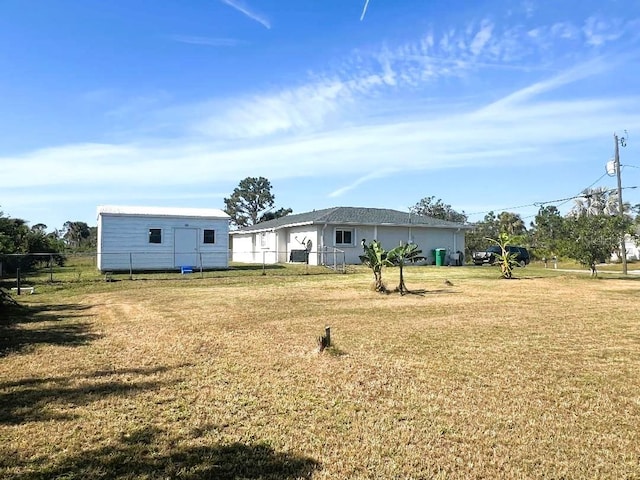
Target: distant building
point(159, 238)
point(332, 235)
point(632, 248)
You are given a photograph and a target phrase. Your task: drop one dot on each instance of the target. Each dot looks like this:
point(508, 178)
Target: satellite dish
point(611, 168)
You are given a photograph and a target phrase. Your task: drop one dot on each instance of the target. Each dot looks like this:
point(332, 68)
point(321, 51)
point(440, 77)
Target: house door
point(185, 247)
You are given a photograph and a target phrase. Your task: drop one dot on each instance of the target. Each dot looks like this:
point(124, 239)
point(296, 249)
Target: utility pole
point(623, 249)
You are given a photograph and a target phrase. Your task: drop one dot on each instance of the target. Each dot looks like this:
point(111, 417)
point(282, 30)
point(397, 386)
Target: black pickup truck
point(491, 254)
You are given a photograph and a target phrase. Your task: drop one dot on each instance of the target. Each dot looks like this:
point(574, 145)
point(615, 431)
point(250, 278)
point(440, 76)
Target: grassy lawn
point(219, 377)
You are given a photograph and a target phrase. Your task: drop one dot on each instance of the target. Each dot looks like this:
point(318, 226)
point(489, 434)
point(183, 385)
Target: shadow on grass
point(250, 267)
point(423, 292)
point(23, 327)
point(54, 398)
point(148, 453)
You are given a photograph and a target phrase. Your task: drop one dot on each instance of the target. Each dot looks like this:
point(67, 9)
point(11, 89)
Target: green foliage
point(492, 226)
point(548, 232)
point(249, 198)
point(375, 257)
point(511, 224)
point(429, 207)
point(506, 259)
point(17, 238)
point(79, 237)
point(400, 256)
point(281, 212)
point(476, 239)
point(591, 239)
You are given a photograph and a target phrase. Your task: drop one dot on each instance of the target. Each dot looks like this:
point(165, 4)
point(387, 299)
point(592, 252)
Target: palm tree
point(598, 201)
point(399, 257)
point(511, 224)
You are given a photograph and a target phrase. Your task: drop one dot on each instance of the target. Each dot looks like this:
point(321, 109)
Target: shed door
point(185, 247)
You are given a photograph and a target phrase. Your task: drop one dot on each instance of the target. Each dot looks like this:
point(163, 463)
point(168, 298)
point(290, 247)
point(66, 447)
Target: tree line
point(589, 233)
point(18, 240)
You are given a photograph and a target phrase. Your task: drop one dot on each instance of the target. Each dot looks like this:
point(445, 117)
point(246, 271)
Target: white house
point(159, 238)
point(334, 236)
point(631, 247)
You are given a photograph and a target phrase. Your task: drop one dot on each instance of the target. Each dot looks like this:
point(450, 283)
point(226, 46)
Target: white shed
point(160, 238)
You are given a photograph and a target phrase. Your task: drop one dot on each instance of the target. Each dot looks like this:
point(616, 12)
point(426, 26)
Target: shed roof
point(162, 211)
point(352, 216)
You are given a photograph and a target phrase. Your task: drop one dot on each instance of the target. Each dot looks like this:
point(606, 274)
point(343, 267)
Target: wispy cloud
point(329, 123)
point(206, 41)
point(242, 8)
point(481, 38)
point(599, 30)
point(588, 69)
point(381, 173)
point(328, 98)
point(433, 141)
point(364, 10)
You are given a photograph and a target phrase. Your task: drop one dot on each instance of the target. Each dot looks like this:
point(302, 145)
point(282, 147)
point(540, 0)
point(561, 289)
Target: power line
point(559, 201)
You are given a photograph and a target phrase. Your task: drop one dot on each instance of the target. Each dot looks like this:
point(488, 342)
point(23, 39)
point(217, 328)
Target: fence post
point(18, 279)
point(51, 268)
point(130, 266)
point(201, 274)
point(264, 265)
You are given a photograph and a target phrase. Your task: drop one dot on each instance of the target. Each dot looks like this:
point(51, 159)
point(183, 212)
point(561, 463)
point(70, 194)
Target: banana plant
point(506, 259)
point(375, 257)
point(400, 256)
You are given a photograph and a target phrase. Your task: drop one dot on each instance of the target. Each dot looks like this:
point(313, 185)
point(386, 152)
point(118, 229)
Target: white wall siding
point(297, 238)
point(244, 248)
point(247, 247)
point(391, 237)
point(429, 239)
point(123, 242)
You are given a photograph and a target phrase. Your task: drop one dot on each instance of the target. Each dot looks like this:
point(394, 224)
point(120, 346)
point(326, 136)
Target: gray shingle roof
point(353, 216)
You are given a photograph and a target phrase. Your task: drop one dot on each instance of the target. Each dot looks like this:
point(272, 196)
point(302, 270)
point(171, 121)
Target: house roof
point(352, 216)
point(162, 211)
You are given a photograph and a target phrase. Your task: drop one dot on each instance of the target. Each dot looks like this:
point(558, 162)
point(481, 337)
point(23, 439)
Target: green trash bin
point(441, 254)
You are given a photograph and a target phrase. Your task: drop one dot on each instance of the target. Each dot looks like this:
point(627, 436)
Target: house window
point(264, 236)
point(209, 236)
point(344, 236)
point(155, 235)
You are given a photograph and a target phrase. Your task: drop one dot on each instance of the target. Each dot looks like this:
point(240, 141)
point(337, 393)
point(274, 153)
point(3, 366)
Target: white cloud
point(296, 109)
point(471, 137)
point(327, 99)
point(242, 8)
point(481, 38)
point(381, 173)
point(599, 31)
point(574, 74)
point(327, 124)
point(565, 30)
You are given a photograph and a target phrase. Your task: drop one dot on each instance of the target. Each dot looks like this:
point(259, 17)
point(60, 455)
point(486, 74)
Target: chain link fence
point(26, 271)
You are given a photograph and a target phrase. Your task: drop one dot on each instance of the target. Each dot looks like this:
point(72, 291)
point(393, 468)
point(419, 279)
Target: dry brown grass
point(220, 378)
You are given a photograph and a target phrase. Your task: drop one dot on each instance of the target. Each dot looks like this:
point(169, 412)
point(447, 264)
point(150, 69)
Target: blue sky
point(488, 105)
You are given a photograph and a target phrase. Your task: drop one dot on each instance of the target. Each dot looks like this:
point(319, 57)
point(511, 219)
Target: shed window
point(344, 236)
point(155, 235)
point(209, 236)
